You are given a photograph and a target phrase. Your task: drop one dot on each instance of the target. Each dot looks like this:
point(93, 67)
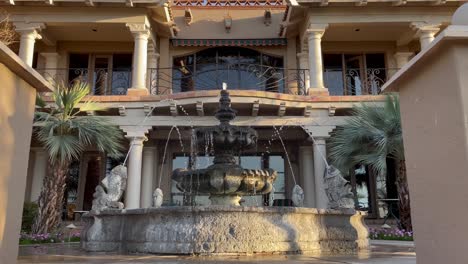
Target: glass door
point(102, 68)
point(354, 70)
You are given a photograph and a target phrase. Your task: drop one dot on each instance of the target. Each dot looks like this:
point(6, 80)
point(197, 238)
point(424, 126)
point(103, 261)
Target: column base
point(137, 91)
point(318, 91)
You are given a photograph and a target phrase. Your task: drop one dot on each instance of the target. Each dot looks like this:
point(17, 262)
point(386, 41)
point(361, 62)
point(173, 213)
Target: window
point(354, 74)
point(106, 74)
point(275, 162)
point(240, 68)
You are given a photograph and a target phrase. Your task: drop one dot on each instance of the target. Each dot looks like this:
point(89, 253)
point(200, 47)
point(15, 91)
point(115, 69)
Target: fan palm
point(370, 136)
point(65, 133)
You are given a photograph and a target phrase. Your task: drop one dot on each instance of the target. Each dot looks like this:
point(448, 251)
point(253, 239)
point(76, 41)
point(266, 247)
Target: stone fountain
point(225, 181)
point(223, 227)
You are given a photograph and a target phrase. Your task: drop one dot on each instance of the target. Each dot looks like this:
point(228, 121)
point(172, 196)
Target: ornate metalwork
point(237, 76)
point(228, 3)
point(101, 81)
point(355, 81)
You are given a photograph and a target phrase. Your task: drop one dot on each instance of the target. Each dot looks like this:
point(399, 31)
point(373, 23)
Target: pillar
point(152, 74)
point(140, 34)
point(426, 33)
point(147, 177)
point(28, 35)
point(132, 193)
point(39, 172)
point(401, 58)
point(304, 73)
point(51, 65)
point(307, 174)
point(320, 151)
point(315, 33)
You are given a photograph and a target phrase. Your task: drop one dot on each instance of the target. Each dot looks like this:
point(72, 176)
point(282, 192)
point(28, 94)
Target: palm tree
point(370, 136)
point(66, 131)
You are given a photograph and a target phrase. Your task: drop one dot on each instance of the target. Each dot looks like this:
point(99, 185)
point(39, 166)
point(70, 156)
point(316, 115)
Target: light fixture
point(267, 17)
point(188, 16)
point(228, 23)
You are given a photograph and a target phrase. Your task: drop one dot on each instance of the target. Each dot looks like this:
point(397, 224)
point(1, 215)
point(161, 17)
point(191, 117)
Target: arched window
point(239, 68)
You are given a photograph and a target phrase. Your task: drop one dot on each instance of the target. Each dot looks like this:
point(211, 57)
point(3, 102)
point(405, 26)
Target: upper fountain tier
point(225, 138)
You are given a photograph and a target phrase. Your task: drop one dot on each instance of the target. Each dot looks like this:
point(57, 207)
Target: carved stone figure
point(298, 196)
point(157, 198)
point(109, 192)
point(337, 189)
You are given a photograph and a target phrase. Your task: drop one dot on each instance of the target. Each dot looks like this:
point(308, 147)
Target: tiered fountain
point(225, 227)
point(225, 180)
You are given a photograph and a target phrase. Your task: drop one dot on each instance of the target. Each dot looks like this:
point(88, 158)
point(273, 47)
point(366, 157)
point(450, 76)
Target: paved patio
point(382, 252)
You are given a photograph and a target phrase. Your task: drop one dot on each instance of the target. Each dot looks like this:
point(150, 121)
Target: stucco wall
point(208, 23)
point(434, 106)
point(16, 114)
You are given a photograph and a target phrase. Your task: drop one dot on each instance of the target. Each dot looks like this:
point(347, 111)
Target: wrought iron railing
point(353, 81)
point(236, 76)
point(102, 81)
point(228, 2)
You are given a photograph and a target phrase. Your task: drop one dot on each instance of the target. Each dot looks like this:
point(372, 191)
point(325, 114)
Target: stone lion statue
point(110, 191)
point(337, 189)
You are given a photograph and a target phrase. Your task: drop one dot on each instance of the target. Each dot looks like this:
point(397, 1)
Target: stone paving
point(383, 252)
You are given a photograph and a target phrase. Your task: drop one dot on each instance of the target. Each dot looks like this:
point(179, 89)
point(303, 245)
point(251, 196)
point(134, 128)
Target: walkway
point(383, 252)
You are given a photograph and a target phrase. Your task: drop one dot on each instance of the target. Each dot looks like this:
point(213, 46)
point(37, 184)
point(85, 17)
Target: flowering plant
point(390, 234)
point(27, 239)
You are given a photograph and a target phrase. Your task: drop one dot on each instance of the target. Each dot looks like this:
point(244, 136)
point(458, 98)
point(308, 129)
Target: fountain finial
point(225, 113)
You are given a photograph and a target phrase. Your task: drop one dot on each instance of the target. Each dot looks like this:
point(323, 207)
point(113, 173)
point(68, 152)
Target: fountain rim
point(225, 209)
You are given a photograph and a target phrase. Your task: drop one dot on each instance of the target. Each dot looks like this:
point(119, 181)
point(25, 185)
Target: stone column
point(28, 35)
point(132, 194)
point(140, 34)
point(401, 58)
point(51, 64)
point(307, 174)
point(320, 151)
point(152, 74)
point(315, 33)
point(426, 33)
point(303, 59)
point(147, 179)
point(39, 172)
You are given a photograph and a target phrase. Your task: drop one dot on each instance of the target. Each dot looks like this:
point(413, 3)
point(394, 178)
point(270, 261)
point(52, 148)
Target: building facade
point(294, 69)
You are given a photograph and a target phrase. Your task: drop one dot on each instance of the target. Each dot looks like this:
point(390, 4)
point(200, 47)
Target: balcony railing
point(102, 81)
point(356, 81)
point(228, 2)
point(237, 77)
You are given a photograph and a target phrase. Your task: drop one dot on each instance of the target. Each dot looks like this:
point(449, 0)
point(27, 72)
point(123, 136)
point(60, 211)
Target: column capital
point(403, 54)
point(316, 30)
point(320, 140)
point(33, 29)
point(140, 30)
point(137, 132)
point(425, 28)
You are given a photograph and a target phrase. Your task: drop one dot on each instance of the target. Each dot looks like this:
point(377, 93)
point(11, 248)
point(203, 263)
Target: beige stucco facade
point(329, 55)
point(19, 85)
point(433, 95)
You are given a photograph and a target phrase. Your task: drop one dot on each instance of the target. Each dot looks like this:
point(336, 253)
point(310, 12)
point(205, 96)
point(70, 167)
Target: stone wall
point(218, 230)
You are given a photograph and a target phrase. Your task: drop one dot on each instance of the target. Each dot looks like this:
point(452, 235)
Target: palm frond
point(66, 135)
point(369, 136)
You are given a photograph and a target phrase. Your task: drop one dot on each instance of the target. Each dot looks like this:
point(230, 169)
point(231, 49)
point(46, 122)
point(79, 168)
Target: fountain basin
point(226, 230)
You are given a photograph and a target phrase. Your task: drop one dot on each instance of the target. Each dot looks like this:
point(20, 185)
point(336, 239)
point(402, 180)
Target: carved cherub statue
point(337, 189)
point(157, 198)
point(110, 191)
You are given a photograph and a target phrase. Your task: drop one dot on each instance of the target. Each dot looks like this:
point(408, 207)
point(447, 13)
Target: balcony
point(356, 81)
point(103, 81)
point(236, 76)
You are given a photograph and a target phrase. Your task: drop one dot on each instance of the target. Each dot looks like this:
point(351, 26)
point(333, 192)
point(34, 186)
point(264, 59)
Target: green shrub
point(29, 213)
